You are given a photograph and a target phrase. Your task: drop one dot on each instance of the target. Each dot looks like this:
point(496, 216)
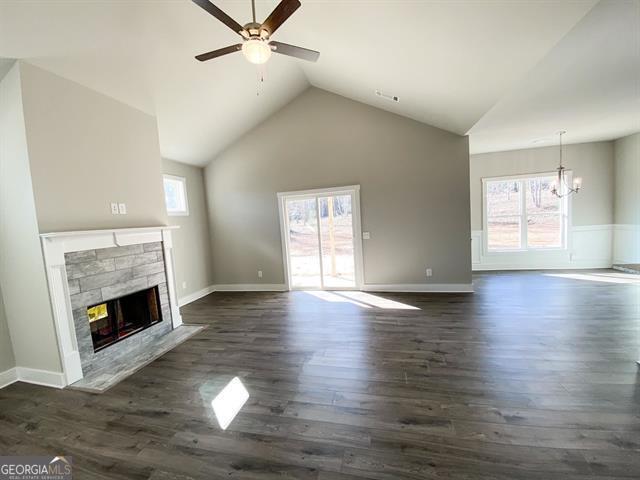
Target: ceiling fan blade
point(220, 15)
point(283, 11)
point(293, 51)
point(218, 53)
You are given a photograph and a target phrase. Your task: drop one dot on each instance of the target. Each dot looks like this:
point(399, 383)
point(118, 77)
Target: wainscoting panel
point(590, 246)
point(626, 244)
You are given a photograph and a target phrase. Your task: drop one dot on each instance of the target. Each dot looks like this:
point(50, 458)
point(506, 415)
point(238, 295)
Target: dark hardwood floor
point(532, 377)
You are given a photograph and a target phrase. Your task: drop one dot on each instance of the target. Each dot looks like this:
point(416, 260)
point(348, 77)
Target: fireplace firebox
point(117, 319)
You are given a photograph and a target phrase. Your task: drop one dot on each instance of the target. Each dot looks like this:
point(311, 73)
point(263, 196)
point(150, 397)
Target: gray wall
point(7, 359)
point(414, 190)
point(87, 150)
point(22, 276)
point(591, 161)
point(627, 180)
point(191, 243)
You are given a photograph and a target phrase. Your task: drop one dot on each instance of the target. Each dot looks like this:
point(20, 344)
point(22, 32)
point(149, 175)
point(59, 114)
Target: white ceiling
point(588, 85)
point(449, 61)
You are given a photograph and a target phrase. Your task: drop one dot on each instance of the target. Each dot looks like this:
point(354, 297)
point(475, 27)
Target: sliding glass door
point(321, 238)
point(304, 243)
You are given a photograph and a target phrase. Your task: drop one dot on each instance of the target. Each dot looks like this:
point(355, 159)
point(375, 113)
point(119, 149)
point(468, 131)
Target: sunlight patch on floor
point(361, 299)
point(627, 278)
point(377, 301)
point(333, 297)
point(229, 401)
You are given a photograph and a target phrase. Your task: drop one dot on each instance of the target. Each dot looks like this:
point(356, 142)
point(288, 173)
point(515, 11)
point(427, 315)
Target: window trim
point(565, 215)
point(183, 181)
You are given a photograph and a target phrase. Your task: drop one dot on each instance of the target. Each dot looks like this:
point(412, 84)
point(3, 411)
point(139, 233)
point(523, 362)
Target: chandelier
point(560, 186)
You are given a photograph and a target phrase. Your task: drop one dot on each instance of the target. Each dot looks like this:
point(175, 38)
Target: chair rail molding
point(56, 244)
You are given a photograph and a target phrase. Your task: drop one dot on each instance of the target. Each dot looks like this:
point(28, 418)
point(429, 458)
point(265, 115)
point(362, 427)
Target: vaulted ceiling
point(588, 85)
point(464, 65)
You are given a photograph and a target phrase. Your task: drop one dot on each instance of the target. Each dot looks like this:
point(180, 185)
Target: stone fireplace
point(112, 293)
point(112, 309)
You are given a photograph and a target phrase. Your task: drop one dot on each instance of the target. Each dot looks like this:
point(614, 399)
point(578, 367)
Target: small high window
point(175, 195)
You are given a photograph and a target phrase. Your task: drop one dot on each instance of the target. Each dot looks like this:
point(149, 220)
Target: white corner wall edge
point(32, 375)
point(589, 246)
point(252, 287)
point(192, 297)
point(8, 377)
point(419, 287)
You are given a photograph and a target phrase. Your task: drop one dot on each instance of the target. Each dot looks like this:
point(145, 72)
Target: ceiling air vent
point(386, 96)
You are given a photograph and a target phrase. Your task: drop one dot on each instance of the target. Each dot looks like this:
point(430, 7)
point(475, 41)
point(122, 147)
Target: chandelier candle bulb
point(577, 183)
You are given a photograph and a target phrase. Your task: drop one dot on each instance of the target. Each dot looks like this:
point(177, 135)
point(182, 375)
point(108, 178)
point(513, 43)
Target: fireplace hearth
point(119, 318)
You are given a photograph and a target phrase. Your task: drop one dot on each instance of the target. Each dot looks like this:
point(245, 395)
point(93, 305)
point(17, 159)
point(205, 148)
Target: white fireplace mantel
point(56, 244)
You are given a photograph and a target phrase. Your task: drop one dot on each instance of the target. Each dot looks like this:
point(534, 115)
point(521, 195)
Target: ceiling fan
point(257, 44)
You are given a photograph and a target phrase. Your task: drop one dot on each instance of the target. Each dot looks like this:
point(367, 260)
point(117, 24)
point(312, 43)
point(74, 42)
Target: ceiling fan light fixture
point(256, 51)
point(257, 45)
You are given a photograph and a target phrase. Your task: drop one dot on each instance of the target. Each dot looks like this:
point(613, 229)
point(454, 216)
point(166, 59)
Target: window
point(521, 213)
point(175, 195)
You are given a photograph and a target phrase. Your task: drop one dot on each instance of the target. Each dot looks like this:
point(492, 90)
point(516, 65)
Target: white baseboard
point(45, 378)
point(252, 287)
point(410, 287)
point(420, 287)
point(192, 297)
point(8, 377)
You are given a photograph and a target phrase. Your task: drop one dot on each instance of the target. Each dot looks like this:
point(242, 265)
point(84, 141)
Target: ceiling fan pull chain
point(260, 78)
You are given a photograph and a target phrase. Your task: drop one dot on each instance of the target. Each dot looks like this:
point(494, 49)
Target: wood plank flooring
point(532, 377)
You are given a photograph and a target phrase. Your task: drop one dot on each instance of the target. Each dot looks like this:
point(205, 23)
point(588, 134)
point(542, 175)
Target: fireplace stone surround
point(96, 276)
point(86, 267)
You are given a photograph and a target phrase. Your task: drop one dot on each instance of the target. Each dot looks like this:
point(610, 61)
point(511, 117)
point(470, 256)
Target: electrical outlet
point(184, 285)
point(114, 209)
point(259, 273)
point(366, 235)
point(429, 272)
point(122, 208)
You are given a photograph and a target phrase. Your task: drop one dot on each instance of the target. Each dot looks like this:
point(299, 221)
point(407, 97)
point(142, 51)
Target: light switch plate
point(122, 208)
point(114, 209)
point(366, 235)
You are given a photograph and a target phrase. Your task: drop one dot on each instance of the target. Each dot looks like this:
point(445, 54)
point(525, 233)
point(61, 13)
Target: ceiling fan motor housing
point(255, 30)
